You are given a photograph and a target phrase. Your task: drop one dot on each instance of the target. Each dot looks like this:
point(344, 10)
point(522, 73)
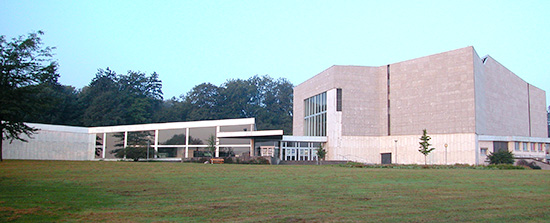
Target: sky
point(192, 42)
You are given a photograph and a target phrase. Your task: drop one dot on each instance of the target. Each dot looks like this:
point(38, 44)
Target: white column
point(217, 142)
point(186, 142)
point(156, 142)
point(125, 140)
point(104, 145)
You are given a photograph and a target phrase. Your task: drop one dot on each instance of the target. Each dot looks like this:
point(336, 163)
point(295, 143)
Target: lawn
point(46, 191)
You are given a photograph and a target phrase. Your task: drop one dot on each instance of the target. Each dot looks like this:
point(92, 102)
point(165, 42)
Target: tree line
point(30, 92)
point(135, 98)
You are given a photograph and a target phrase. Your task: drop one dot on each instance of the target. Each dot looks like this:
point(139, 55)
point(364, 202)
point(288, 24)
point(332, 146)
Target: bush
point(501, 157)
point(522, 163)
point(505, 167)
point(228, 160)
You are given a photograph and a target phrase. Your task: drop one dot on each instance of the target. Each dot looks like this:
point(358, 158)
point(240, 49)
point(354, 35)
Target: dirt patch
point(14, 213)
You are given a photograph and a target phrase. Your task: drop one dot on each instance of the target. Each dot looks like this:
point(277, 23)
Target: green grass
point(46, 191)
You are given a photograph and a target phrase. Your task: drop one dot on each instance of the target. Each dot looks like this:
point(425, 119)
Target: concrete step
point(543, 165)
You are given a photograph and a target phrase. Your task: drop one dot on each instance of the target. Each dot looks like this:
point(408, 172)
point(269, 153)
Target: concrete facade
point(52, 142)
point(464, 101)
point(176, 140)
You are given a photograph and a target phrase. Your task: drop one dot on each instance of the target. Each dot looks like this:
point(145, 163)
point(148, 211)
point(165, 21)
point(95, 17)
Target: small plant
point(211, 145)
point(321, 153)
point(501, 157)
point(425, 145)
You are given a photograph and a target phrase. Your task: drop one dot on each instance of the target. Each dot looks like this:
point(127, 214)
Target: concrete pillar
point(186, 142)
point(217, 142)
point(104, 145)
point(156, 143)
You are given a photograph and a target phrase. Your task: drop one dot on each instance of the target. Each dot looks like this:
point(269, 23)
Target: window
point(483, 151)
point(525, 148)
point(338, 99)
point(315, 116)
point(516, 144)
point(541, 149)
point(533, 146)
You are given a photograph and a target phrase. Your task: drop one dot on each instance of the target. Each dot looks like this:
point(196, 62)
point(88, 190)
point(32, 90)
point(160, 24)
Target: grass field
point(46, 191)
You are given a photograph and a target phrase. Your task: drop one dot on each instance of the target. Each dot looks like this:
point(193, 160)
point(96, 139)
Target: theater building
point(469, 105)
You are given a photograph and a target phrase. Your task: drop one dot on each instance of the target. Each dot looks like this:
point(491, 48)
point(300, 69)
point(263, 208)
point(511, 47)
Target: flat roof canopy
point(264, 134)
point(172, 125)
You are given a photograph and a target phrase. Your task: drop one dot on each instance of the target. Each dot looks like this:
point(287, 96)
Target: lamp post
point(395, 151)
point(446, 145)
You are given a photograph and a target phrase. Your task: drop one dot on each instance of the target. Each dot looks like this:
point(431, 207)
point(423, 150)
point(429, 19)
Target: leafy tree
point(58, 104)
point(171, 110)
point(113, 99)
point(501, 157)
point(211, 142)
point(321, 153)
point(425, 145)
point(262, 97)
point(24, 63)
point(203, 102)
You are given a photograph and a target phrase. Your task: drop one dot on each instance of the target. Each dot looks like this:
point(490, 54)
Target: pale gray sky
point(191, 42)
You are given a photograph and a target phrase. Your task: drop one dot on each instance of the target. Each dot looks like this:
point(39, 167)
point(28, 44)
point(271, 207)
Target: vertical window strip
point(315, 115)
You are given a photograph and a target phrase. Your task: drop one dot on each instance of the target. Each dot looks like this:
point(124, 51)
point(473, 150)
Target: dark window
point(338, 99)
point(386, 158)
point(500, 146)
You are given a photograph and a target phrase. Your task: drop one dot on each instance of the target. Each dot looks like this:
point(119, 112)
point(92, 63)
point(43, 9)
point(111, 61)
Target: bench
point(216, 161)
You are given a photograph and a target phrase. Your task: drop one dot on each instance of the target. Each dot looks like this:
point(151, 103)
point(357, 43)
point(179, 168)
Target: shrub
point(533, 166)
point(501, 157)
point(505, 167)
point(522, 163)
point(228, 160)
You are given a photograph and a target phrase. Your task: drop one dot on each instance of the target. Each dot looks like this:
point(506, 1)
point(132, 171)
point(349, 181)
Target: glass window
point(99, 145)
point(525, 148)
point(315, 115)
point(483, 151)
point(172, 137)
point(533, 146)
point(339, 99)
point(517, 146)
point(200, 136)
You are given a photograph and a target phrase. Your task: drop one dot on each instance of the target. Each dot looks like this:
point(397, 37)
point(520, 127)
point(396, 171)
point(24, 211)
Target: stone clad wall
point(435, 92)
point(507, 105)
point(53, 142)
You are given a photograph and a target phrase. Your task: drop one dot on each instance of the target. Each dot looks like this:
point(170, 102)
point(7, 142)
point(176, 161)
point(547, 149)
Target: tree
point(24, 62)
point(58, 104)
point(262, 97)
point(425, 145)
point(211, 142)
point(501, 157)
point(113, 99)
point(321, 153)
